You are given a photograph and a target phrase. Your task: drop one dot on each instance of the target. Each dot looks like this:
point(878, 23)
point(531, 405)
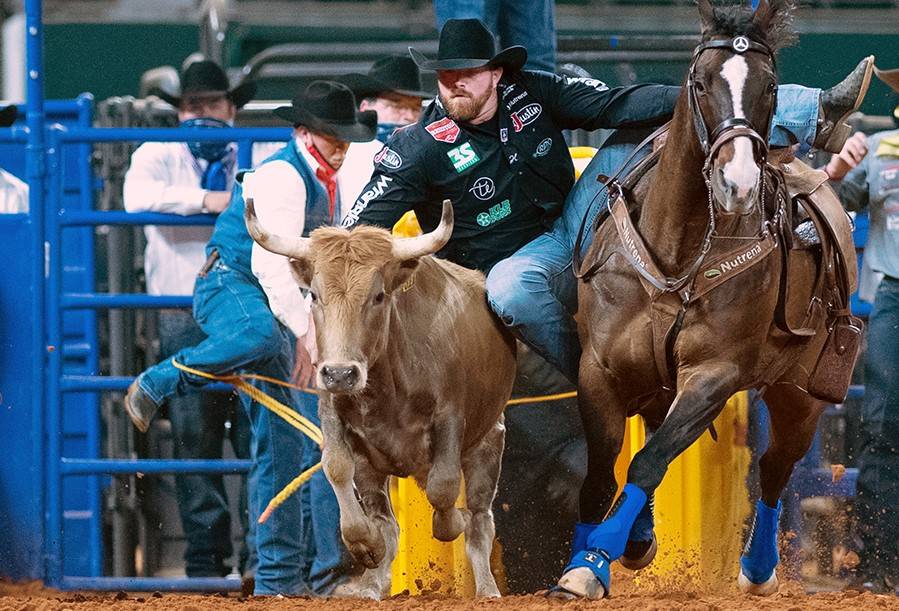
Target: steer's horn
point(297, 248)
point(428, 243)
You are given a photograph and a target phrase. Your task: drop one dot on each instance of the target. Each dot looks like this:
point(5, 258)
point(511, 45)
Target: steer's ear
point(302, 271)
point(401, 276)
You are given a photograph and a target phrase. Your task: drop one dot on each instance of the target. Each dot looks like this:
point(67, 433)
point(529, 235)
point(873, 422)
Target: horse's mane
point(737, 20)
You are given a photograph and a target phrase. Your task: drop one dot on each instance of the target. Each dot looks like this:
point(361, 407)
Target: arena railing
point(57, 219)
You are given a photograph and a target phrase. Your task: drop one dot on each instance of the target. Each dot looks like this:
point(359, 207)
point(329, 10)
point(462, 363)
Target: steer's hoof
point(365, 544)
point(639, 554)
point(758, 589)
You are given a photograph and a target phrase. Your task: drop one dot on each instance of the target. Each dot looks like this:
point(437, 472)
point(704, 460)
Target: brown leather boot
point(140, 407)
point(840, 101)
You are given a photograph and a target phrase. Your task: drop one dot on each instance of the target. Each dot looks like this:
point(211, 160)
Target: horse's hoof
point(639, 554)
point(758, 589)
point(583, 583)
point(560, 593)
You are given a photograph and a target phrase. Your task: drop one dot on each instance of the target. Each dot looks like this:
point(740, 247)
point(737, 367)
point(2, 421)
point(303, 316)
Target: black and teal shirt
point(508, 177)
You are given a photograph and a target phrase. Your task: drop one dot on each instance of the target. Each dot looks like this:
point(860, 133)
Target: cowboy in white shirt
point(13, 191)
point(193, 178)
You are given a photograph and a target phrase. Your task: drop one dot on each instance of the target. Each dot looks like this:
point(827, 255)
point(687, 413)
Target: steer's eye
point(313, 296)
point(378, 299)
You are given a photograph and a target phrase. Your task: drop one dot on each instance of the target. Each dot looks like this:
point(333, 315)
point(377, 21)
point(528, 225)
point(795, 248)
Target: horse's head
point(732, 93)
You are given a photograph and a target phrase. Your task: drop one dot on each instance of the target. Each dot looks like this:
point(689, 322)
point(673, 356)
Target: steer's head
point(353, 277)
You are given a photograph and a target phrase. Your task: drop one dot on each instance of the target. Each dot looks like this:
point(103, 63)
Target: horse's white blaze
point(741, 171)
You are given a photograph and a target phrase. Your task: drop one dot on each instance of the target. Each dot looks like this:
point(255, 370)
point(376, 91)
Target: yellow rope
point(556, 397)
point(303, 424)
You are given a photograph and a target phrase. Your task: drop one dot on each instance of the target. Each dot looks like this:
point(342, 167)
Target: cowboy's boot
point(840, 101)
point(140, 406)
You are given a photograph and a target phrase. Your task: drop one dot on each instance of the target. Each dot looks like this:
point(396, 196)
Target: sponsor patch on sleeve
point(389, 158)
point(589, 82)
point(444, 130)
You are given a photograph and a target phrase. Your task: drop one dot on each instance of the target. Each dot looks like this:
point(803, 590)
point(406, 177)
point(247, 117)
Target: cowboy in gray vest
point(256, 321)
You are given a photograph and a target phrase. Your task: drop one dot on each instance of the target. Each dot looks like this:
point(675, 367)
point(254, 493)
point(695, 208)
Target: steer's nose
point(338, 378)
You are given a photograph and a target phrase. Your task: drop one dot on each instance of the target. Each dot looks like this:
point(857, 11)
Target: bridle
point(733, 127)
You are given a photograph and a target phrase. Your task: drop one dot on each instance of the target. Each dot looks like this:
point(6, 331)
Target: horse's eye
point(772, 87)
point(699, 86)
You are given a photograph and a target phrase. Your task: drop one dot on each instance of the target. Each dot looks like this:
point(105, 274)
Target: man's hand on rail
point(215, 202)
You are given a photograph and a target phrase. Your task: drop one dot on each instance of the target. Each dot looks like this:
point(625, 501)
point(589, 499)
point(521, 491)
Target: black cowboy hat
point(466, 43)
point(394, 73)
point(206, 78)
point(8, 116)
point(330, 108)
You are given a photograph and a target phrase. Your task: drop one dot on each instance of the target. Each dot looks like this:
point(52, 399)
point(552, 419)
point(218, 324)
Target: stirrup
point(587, 575)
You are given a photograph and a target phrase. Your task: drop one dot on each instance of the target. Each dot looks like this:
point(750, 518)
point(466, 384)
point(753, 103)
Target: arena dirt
point(32, 597)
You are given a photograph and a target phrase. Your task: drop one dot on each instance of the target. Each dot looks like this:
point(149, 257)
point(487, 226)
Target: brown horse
point(685, 306)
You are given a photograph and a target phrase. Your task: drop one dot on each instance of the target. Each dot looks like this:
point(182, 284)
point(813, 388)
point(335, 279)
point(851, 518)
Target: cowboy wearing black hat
point(874, 185)
point(392, 88)
point(191, 178)
point(246, 303)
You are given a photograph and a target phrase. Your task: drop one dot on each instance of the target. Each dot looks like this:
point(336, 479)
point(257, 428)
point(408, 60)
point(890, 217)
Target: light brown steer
point(416, 372)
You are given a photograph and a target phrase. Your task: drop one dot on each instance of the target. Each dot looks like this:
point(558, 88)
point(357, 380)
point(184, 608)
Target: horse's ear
point(762, 15)
point(706, 16)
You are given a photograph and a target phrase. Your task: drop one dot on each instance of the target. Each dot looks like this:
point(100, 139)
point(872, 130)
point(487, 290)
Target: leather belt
point(210, 261)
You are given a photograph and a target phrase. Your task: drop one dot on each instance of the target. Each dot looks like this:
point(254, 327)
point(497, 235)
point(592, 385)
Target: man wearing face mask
point(392, 88)
point(246, 301)
point(190, 178)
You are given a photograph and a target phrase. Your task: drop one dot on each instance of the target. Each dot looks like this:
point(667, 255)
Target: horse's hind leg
point(699, 400)
point(794, 418)
point(603, 417)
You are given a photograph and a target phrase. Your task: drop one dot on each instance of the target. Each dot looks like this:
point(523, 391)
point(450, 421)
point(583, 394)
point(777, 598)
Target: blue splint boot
point(641, 546)
point(587, 574)
point(760, 558)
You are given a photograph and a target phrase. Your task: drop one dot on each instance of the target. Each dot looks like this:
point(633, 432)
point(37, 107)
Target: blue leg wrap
point(642, 529)
point(611, 535)
point(579, 541)
point(760, 557)
point(605, 542)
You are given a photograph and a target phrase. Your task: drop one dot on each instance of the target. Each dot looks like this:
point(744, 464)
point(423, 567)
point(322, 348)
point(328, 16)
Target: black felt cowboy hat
point(395, 73)
point(466, 43)
point(330, 108)
point(8, 116)
point(206, 78)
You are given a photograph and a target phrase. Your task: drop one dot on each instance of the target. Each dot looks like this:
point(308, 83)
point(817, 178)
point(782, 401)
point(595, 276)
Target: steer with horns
point(416, 372)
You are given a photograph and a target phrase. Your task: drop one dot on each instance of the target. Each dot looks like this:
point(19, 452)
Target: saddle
point(819, 221)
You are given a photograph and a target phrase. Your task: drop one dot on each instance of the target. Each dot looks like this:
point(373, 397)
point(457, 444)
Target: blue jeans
point(877, 488)
point(529, 23)
point(534, 291)
point(198, 431)
point(331, 564)
point(242, 334)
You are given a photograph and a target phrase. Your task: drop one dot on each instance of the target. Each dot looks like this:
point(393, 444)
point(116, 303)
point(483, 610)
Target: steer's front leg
point(362, 538)
point(445, 475)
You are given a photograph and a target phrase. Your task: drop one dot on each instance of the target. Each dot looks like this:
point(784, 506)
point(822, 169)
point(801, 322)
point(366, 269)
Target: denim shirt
point(875, 183)
point(231, 238)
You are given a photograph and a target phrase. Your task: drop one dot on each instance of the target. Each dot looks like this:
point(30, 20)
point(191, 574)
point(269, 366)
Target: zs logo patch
point(463, 157)
point(496, 213)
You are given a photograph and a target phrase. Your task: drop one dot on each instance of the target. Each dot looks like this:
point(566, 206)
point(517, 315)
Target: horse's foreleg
point(794, 418)
point(700, 398)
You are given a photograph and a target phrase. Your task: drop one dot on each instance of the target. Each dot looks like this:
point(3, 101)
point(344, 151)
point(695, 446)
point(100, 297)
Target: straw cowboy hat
point(891, 78)
point(330, 108)
point(466, 43)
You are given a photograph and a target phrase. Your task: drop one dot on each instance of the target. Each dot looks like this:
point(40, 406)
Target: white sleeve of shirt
point(157, 182)
point(279, 198)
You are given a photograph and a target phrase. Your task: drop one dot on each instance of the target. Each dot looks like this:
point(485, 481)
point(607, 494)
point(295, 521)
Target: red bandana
point(328, 177)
